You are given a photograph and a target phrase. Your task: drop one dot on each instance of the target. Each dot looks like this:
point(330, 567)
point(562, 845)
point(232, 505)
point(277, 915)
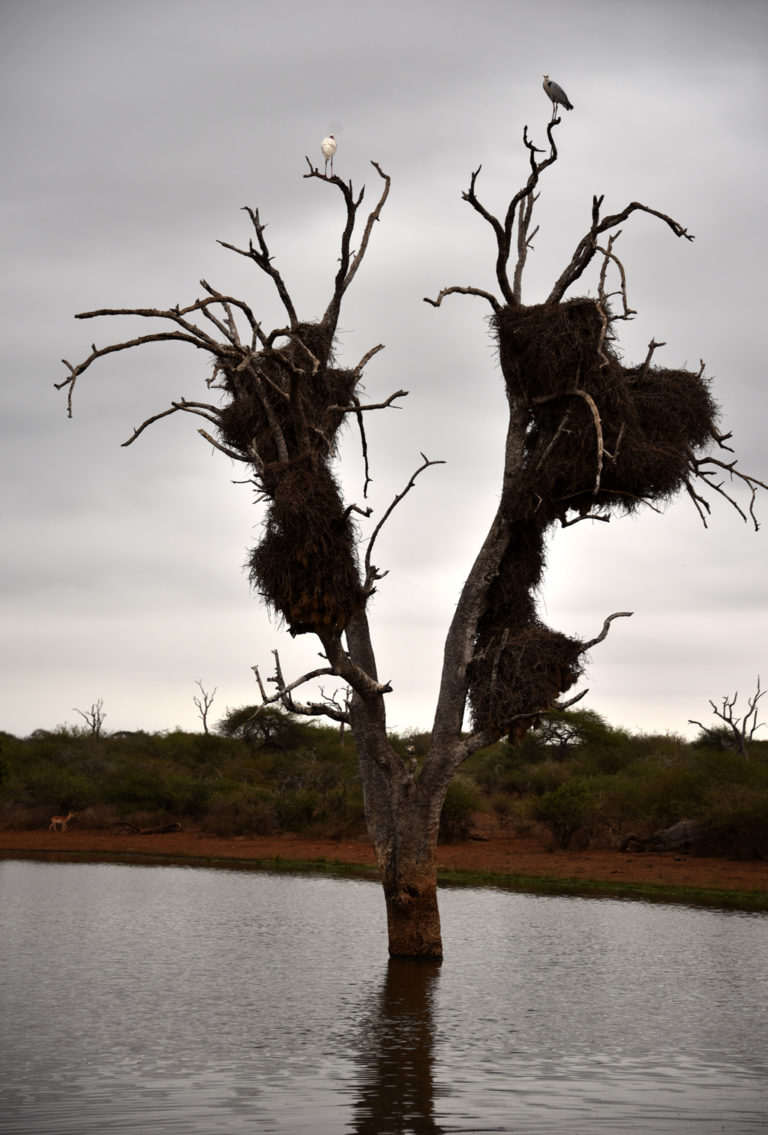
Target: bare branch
point(523, 244)
point(652, 346)
point(371, 572)
point(229, 328)
point(349, 262)
point(608, 255)
point(363, 445)
point(606, 627)
point(456, 290)
point(173, 314)
point(560, 706)
point(598, 432)
point(262, 691)
point(262, 258)
point(359, 408)
point(588, 246)
point(705, 469)
point(470, 196)
point(285, 690)
point(203, 409)
point(367, 358)
point(150, 421)
point(372, 218)
point(328, 707)
point(231, 453)
point(564, 523)
point(520, 211)
point(158, 337)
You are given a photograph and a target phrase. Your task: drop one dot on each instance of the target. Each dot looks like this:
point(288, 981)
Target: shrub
point(296, 810)
point(55, 788)
point(263, 726)
point(247, 814)
point(569, 812)
point(735, 823)
point(461, 801)
point(544, 777)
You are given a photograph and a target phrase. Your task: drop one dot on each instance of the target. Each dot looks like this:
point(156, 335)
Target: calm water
point(179, 1000)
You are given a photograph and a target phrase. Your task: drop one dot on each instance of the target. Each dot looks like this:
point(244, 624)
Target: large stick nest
point(601, 436)
point(275, 385)
point(305, 565)
point(517, 675)
point(285, 408)
point(519, 666)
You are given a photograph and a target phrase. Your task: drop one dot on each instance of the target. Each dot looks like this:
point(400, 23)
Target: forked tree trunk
point(403, 816)
point(402, 812)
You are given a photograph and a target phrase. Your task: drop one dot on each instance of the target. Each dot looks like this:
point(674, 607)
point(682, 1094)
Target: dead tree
point(203, 703)
point(736, 732)
point(94, 717)
point(587, 437)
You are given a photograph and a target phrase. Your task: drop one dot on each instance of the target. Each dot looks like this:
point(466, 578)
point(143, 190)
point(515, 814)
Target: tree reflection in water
point(396, 1056)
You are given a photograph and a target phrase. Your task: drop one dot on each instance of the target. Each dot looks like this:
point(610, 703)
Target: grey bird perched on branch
point(557, 95)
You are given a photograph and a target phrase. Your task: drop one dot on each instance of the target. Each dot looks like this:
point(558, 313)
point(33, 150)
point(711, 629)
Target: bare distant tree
point(587, 438)
point(94, 717)
point(736, 732)
point(204, 703)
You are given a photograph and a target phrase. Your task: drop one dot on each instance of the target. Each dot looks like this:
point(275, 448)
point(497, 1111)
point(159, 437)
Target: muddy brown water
point(196, 1000)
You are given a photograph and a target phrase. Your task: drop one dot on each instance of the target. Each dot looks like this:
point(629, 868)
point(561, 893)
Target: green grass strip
point(715, 897)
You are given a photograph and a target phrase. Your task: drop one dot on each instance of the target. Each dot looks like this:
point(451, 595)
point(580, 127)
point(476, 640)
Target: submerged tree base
point(413, 920)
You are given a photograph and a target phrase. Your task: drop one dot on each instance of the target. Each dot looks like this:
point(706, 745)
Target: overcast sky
point(132, 135)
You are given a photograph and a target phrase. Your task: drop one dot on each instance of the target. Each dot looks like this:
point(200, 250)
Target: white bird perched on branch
point(557, 95)
point(328, 146)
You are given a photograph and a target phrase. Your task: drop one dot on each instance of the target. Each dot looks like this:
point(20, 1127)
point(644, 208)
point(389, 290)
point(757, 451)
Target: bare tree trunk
point(402, 815)
point(402, 824)
point(408, 870)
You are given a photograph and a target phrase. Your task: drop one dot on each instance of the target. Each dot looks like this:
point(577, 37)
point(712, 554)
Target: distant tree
point(565, 731)
point(94, 717)
point(204, 703)
point(737, 732)
point(261, 726)
point(587, 438)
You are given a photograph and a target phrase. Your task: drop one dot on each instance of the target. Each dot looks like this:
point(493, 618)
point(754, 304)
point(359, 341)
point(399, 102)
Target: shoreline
point(496, 858)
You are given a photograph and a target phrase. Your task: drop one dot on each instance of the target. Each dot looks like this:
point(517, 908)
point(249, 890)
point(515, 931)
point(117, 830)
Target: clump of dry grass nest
point(305, 564)
point(280, 391)
point(284, 413)
point(519, 666)
point(602, 436)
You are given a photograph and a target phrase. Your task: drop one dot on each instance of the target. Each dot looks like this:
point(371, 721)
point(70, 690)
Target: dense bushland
point(590, 784)
point(576, 779)
point(256, 777)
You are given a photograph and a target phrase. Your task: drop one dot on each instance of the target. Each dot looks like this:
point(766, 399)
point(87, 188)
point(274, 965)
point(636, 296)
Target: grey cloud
point(131, 143)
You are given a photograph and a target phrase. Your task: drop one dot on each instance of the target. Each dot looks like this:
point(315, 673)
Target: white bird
point(328, 146)
point(557, 95)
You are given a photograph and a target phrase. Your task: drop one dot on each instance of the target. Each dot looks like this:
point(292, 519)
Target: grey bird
point(556, 94)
